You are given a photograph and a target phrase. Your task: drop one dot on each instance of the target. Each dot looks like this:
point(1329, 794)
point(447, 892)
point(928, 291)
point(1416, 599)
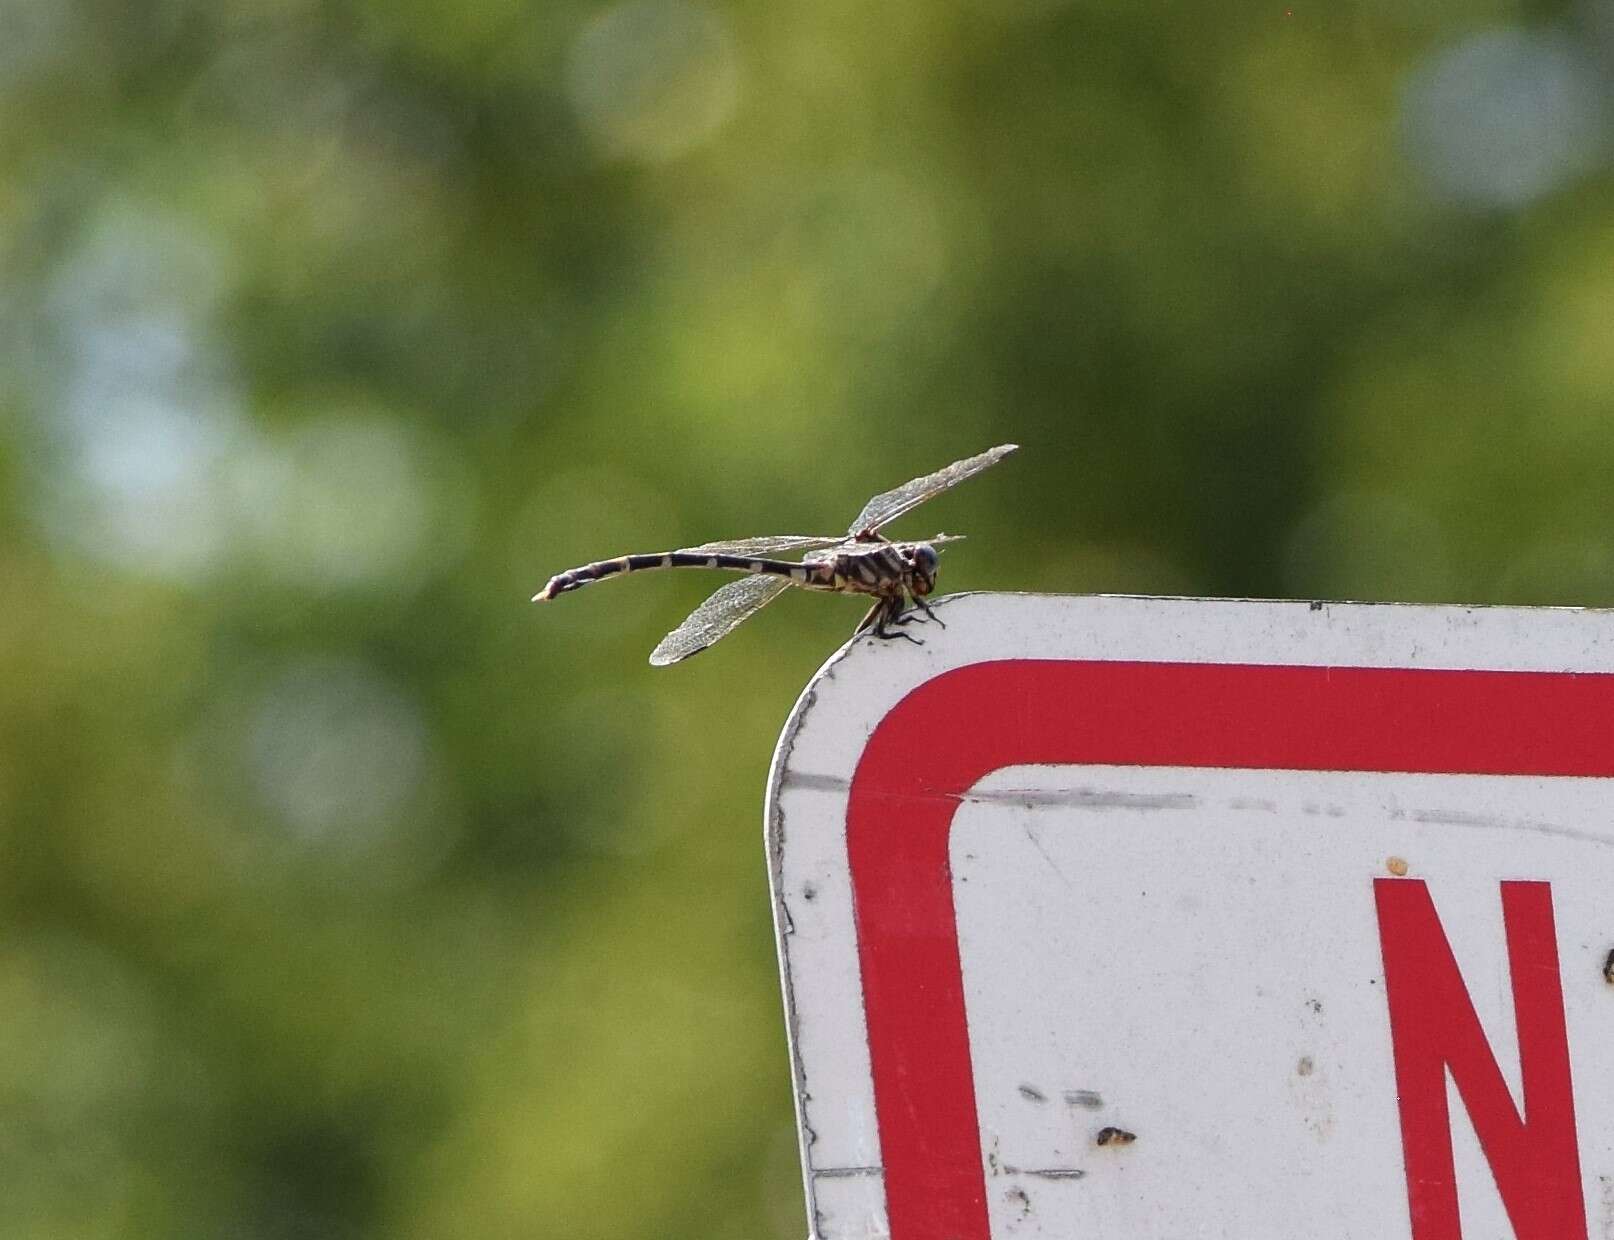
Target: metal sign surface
point(1204, 918)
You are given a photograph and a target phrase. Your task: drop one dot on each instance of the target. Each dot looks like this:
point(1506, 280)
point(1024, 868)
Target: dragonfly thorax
point(888, 570)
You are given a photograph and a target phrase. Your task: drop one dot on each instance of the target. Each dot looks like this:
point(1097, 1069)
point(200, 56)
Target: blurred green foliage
point(345, 895)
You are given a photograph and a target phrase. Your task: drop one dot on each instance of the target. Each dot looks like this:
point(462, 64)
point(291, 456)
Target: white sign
point(1191, 919)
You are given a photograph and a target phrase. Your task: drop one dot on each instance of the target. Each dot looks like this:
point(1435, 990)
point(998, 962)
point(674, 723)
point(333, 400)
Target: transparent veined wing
point(718, 616)
point(768, 544)
point(892, 504)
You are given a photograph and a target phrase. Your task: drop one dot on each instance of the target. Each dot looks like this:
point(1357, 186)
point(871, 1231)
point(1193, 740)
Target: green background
point(343, 893)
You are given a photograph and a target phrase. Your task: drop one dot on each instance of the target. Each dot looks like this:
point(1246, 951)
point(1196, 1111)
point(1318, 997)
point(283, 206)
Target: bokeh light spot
point(144, 409)
point(652, 79)
point(337, 751)
point(353, 500)
point(1505, 117)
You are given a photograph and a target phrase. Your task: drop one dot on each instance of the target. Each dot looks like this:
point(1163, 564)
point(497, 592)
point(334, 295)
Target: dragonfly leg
point(908, 617)
point(886, 612)
point(929, 613)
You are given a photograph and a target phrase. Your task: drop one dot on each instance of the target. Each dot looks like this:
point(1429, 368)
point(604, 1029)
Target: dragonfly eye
point(923, 559)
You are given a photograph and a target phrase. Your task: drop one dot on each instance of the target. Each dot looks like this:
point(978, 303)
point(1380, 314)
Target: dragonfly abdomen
point(573, 579)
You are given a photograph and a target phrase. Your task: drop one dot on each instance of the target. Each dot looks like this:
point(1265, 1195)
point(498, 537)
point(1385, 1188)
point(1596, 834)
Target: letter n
point(1434, 1029)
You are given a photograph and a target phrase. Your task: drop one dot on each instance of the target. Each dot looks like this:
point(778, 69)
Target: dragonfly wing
point(718, 616)
point(767, 545)
point(892, 504)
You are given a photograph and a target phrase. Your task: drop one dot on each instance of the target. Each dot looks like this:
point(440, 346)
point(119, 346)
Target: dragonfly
point(860, 561)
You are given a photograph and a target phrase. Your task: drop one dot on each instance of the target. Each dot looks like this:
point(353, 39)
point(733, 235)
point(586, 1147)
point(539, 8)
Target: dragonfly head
point(923, 559)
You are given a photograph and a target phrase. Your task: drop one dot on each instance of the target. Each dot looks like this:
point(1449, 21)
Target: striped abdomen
point(810, 575)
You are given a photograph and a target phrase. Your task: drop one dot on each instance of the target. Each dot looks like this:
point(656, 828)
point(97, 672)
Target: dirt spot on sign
point(1396, 866)
point(1311, 1093)
point(1114, 1136)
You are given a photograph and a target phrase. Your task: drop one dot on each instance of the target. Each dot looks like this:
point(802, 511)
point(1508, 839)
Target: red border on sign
point(951, 732)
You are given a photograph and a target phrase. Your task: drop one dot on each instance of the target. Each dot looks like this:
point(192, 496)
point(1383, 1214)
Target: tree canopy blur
point(344, 894)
